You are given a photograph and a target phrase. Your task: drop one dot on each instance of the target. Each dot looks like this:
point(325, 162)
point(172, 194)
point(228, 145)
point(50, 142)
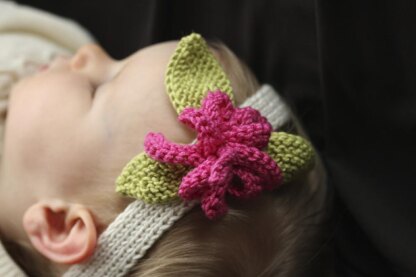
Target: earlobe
point(63, 232)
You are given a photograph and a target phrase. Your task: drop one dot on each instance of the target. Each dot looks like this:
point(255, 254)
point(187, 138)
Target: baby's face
point(73, 126)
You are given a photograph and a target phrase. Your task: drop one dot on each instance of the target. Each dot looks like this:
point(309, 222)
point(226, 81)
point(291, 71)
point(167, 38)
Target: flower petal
point(213, 202)
point(195, 183)
point(249, 184)
point(190, 117)
point(255, 135)
point(217, 106)
point(160, 149)
point(255, 160)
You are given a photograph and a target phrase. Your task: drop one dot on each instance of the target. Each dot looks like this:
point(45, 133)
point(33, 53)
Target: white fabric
point(29, 38)
point(7, 266)
point(140, 225)
point(128, 237)
point(269, 103)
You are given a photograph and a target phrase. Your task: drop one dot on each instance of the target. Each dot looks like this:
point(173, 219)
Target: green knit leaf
point(192, 72)
point(293, 154)
point(149, 180)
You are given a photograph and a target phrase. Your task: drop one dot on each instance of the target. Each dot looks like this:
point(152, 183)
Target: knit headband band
point(141, 224)
point(170, 179)
point(8, 268)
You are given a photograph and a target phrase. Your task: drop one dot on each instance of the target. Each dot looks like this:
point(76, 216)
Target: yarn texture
point(235, 153)
point(135, 230)
point(230, 153)
point(153, 182)
point(128, 237)
point(192, 72)
point(229, 144)
point(292, 153)
point(156, 182)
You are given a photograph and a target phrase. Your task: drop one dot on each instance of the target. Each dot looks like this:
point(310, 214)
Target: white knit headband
point(140, 225)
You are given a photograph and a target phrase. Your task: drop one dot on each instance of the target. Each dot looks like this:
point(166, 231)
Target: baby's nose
point(94, 62)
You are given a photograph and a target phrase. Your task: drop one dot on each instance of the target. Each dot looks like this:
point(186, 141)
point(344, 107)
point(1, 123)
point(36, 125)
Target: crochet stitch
point(154, 182)
point(192, 72)
point(128, 238)
point(229, 144)
point(139, 226)
point(149, 180)
point(292, 153)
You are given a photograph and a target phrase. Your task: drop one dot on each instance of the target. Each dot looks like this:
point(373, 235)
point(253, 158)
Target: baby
point(86, 126)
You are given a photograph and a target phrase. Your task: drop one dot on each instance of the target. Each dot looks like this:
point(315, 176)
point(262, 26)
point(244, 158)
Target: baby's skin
point(70, 130)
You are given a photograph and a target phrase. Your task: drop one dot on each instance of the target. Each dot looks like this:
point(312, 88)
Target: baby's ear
point(63, 232)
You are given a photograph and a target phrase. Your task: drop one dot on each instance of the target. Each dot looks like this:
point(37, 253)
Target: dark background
point(347, 68)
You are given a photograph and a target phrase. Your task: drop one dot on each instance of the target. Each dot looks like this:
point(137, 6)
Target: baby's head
point(73, 127)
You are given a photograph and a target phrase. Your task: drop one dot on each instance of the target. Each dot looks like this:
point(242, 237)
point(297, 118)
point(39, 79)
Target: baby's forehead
point(163, 51)
point(158, 50)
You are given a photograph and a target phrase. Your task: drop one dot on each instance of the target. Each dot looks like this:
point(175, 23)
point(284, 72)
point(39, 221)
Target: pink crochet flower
point(227, 156)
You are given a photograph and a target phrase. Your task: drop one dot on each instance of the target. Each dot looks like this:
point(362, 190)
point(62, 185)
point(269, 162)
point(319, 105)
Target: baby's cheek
point(24, 147)
point(21, 144)
point(63, 157)
point(35, 141)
